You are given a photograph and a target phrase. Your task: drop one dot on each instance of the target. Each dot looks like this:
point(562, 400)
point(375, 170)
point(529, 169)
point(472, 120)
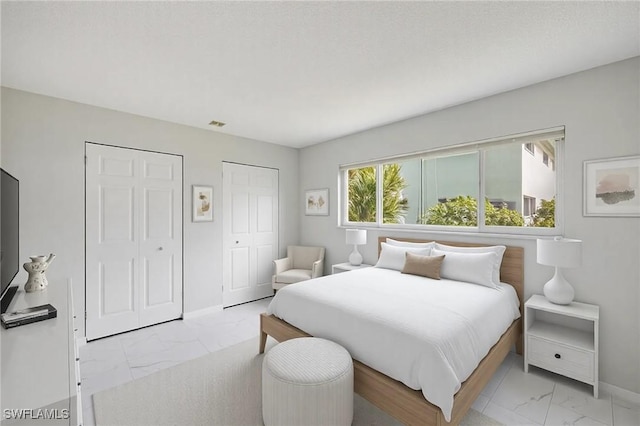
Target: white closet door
point(250, 232)
point(112, 269)
point(160, 250)
point(133, 239)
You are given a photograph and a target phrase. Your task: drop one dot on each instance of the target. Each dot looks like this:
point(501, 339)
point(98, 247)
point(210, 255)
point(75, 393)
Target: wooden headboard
point(511, 271)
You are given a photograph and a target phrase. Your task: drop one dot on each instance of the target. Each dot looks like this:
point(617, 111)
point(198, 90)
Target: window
point(528, 206)
point(416, 190)
point(509, 175)
point(442, 188)
point(530, 148)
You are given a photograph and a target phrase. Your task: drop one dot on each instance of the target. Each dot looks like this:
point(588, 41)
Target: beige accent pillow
point(425, 266)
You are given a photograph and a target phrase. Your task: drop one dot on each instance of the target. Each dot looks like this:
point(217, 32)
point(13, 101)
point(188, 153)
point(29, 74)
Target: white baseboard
point(624, 394)
point(201, 312)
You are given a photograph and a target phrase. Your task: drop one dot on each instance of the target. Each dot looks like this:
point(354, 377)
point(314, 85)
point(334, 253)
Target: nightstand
point(344, 267)
point(562, 339)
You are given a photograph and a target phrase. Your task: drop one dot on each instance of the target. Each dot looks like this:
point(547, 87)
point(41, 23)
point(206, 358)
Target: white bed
point(405, 403)
point(428, 334)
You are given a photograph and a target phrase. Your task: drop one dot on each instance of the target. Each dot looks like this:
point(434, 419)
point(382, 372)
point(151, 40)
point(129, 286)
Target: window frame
point(480, 147)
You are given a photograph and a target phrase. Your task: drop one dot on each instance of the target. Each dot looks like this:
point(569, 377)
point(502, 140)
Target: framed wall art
point(316, 202)
point(202, 203)
point(611, 187)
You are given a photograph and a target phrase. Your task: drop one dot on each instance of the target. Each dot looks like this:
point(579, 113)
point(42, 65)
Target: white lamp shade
point(561, 252)
point(356, 236)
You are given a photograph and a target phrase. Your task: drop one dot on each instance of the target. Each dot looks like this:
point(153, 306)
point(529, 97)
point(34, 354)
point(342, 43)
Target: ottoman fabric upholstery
point(307, 381)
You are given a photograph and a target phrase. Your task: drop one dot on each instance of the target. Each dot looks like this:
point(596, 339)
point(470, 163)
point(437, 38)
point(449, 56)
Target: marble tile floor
point(511, 397)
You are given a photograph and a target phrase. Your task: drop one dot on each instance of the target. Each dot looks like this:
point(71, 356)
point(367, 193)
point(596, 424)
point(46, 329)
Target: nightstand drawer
point(561, 359)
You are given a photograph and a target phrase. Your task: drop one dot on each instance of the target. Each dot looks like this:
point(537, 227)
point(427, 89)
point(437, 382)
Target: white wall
point(600, 109)
point(43, 146)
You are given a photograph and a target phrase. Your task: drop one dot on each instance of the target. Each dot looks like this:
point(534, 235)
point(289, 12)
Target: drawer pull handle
point(558, 356)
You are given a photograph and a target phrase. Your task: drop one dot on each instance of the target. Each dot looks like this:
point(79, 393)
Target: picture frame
point(202, 203)
point(316, 202)
point(612, 187)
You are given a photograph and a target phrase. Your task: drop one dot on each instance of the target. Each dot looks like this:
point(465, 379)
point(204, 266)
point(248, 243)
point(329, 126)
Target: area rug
point(222, 388)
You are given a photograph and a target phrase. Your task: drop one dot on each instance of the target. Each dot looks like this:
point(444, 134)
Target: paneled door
point(133, 203)
point(250, 232)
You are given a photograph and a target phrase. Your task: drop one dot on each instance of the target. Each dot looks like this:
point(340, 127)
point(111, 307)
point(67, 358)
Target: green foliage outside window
point(362, 194)
point(545, 215)
point(501, 216)
point(463, 211)
point(459, 211)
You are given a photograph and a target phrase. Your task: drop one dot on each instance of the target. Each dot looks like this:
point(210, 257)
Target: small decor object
point(317, 202)
point(356, 237)
point(561, 253)
point(202, 203)
point(611, 187)
point(37, 280)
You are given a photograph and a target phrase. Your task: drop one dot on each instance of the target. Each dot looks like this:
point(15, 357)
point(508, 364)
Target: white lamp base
point(355, 258)
point(557, 290)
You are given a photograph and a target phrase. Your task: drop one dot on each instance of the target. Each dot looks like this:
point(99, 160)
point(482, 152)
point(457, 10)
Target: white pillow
point(475, 268)
point(392, 257)
point(397, 243)
point(498, 250)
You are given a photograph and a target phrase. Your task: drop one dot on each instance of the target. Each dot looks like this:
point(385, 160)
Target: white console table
point(40, 365)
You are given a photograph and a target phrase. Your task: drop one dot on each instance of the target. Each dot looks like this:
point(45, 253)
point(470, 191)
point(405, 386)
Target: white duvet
point(428, 334)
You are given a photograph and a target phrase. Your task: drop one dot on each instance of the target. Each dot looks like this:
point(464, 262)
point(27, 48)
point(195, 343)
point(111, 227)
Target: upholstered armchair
point(302, 263)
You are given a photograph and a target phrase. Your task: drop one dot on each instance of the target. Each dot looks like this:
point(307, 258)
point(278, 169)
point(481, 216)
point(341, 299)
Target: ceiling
point(300, 73)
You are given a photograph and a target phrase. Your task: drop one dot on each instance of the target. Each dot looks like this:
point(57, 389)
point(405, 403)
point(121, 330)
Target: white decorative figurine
point(37, 279)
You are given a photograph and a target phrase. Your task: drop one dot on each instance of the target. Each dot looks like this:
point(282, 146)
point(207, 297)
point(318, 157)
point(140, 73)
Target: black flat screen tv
point(9, 236)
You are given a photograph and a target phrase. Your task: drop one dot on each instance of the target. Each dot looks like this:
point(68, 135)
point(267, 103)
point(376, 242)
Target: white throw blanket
point(428, 334)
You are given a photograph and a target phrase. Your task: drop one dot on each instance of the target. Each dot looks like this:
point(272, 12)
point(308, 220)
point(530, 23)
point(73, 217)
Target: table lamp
point(561, 253)
point(356, 237)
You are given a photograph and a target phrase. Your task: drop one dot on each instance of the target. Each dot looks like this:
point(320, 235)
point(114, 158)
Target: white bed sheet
point(428, 334)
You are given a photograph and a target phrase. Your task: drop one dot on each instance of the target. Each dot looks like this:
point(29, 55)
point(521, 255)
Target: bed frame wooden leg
point(263, 335)
point(263, 341)
point(520, 345)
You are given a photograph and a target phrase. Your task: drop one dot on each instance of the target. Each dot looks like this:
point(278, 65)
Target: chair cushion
point(293, 276)
point(303, 257)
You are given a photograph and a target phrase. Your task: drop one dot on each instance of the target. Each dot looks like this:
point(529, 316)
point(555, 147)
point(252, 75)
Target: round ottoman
point(307, 381)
